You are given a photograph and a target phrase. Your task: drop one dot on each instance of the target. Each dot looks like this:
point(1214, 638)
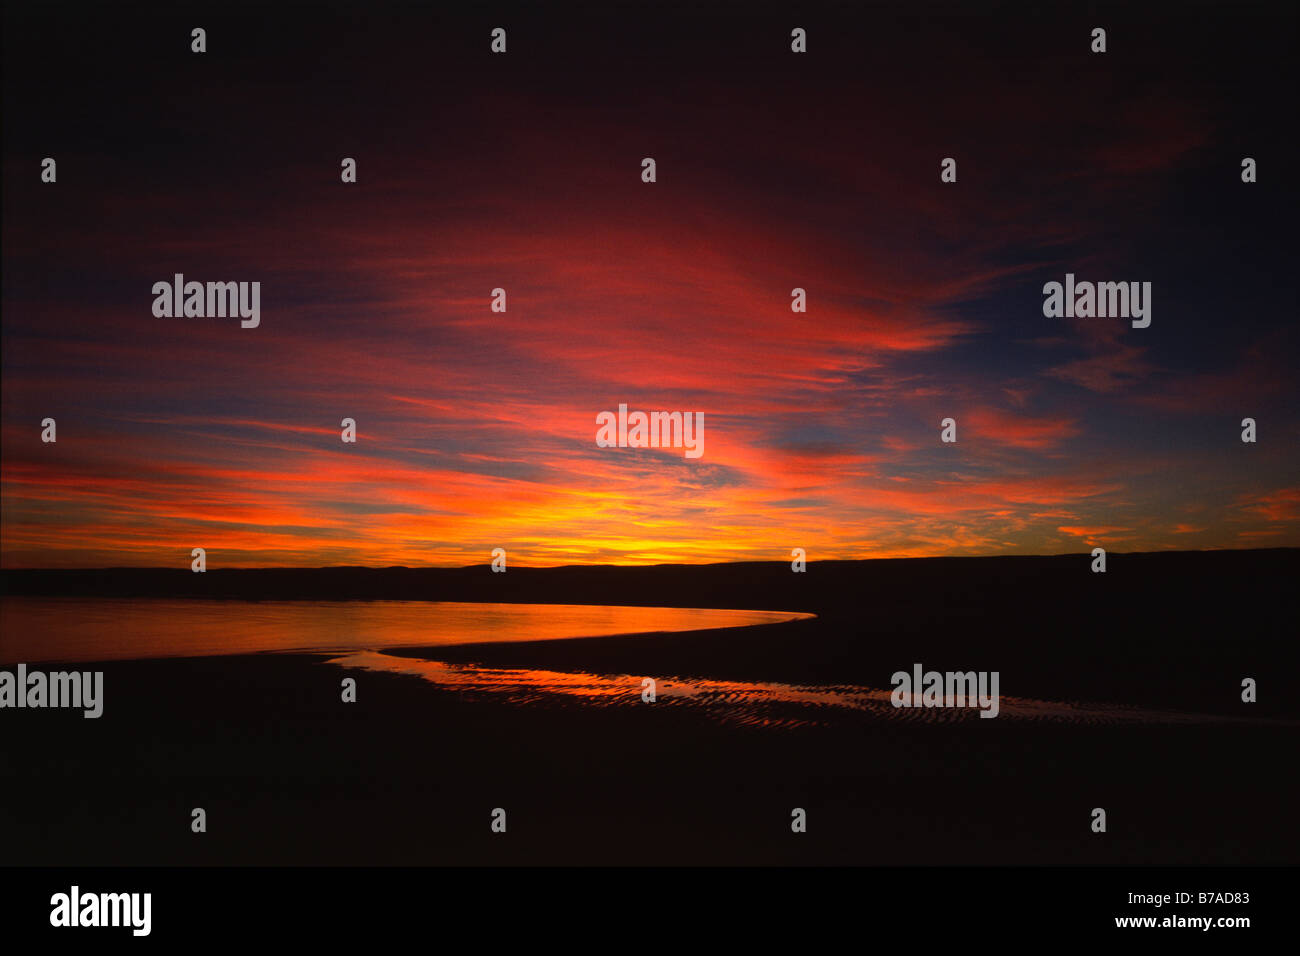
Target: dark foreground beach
point(1156, 649)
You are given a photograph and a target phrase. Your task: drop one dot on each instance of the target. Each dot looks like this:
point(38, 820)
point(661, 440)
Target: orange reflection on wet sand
point(741, 702)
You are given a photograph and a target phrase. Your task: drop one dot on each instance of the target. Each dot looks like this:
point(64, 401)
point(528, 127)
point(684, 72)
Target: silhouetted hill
point(1166, 582)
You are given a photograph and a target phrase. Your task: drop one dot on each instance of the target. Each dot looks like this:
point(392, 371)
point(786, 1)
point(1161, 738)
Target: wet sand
point(410, 773)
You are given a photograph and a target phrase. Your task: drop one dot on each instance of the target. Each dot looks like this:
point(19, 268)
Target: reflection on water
point(36, 630)
point(99, 629)
point(741, 702)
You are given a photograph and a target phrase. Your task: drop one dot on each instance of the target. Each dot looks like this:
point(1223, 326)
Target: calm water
point(35, 630)
point(47, 629)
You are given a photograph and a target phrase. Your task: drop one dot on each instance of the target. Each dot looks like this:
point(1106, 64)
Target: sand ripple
point(749, 703)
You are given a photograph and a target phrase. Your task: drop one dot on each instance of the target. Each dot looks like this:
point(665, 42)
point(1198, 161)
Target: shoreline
point(288, 774)
point(408, 774)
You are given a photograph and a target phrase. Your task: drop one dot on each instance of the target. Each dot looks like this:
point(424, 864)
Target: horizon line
point(664, 564)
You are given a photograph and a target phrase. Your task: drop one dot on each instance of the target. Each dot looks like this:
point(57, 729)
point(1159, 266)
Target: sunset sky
point(523, 171)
